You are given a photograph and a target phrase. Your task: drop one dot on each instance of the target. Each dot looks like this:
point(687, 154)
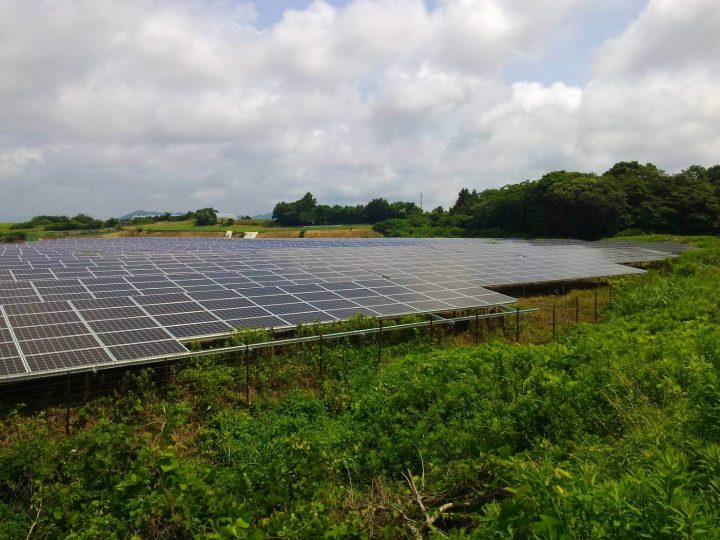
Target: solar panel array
point(75, 303)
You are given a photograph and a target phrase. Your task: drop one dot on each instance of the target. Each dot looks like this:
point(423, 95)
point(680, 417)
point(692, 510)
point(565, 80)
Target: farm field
point(608, 430)
point(266, 229)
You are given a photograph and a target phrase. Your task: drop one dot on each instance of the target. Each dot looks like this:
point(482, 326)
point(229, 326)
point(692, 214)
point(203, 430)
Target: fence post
point(477, 326)
point(577, 309)
point(380, 342)
point(322, 359)
point(247, 374)
point(554, 320)
point(67, 404)
point(517, 325)
point(596, 307)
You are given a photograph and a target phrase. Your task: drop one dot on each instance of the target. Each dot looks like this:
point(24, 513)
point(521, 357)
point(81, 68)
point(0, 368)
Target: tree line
point(84, 222)
point(628, 198)
point(306, 211)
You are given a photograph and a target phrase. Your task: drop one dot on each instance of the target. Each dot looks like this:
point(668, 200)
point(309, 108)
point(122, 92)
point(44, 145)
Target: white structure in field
point(251, 234)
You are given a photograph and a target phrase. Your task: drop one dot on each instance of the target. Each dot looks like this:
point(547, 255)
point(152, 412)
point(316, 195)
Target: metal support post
point(477, 326)
point(380, 342)
point(322, 359)
point(517, 325)
point(67, 404)
point(247, 375)
point(577, 309)
point(596, 306)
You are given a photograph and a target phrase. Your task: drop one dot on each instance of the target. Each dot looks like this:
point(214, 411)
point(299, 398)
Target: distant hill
point(140, 213)
point(263, 216)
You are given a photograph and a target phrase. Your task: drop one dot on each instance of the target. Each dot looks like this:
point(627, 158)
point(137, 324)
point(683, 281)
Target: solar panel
point(68, 359)
point(8, 350)
point(258, 322)
point(133, 336)
point(147, 350)
point(57, 344)
point(139, 295)
point(112, 313)
point(240, 313)
point(185, 318)
point(308, 317)
point(199, 329)
point(284, 309)
point(228, 303)
point(11, 365)
point(39, 319)
point(176, 307)
point(50, 331)
point(38, 307)
point(123, 324)
point(103, 303)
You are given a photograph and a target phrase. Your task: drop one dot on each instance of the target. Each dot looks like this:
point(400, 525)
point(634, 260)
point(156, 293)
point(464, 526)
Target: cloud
point(109, 107)
point(15, 162)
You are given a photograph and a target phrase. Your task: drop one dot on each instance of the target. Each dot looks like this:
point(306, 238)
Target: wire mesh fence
point(264, 363)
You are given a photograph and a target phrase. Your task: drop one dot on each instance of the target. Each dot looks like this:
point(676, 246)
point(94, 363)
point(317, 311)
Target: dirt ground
point(343, 233)
point(170, 234)
point(362, 232)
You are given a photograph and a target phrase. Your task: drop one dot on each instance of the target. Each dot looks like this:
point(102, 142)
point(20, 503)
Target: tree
point(305, 209)
point(464, 201)
point(300, 212)
point(206, 216)
point(377, 210)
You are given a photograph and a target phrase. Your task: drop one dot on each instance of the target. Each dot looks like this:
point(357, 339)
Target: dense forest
point(612, 431)
point(629, 198)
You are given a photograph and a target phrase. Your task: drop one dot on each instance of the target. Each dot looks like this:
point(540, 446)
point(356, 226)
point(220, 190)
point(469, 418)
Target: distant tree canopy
point(60, 223)
point(306, 211)
point(205, 216)
point(629, 197)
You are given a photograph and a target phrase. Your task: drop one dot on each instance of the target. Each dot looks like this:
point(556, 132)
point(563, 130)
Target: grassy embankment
point(611, 431)
point(265, 228)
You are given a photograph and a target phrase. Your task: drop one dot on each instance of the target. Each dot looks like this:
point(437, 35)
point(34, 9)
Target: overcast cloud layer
point(110, 106)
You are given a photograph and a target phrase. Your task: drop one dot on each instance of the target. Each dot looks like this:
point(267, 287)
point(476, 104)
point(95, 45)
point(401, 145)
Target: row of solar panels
point(51, 336)
point(116, 300)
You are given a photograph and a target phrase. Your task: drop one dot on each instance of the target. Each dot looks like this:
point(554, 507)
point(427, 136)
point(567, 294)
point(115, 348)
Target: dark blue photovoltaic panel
point(147, 350)
point(11, 366)
point(200, 329)
point(141, 335)
point(68, 359)
point(258, 322)
point(53, 345)
point(189, 285)
point(50, 331)
point(122, 324)
point(185, 318)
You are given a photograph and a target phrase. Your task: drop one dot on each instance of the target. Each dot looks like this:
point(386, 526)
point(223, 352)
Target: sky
point(170, 105)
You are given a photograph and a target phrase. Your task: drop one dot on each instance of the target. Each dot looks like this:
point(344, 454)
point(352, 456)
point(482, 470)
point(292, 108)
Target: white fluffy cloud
point(110, 106)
